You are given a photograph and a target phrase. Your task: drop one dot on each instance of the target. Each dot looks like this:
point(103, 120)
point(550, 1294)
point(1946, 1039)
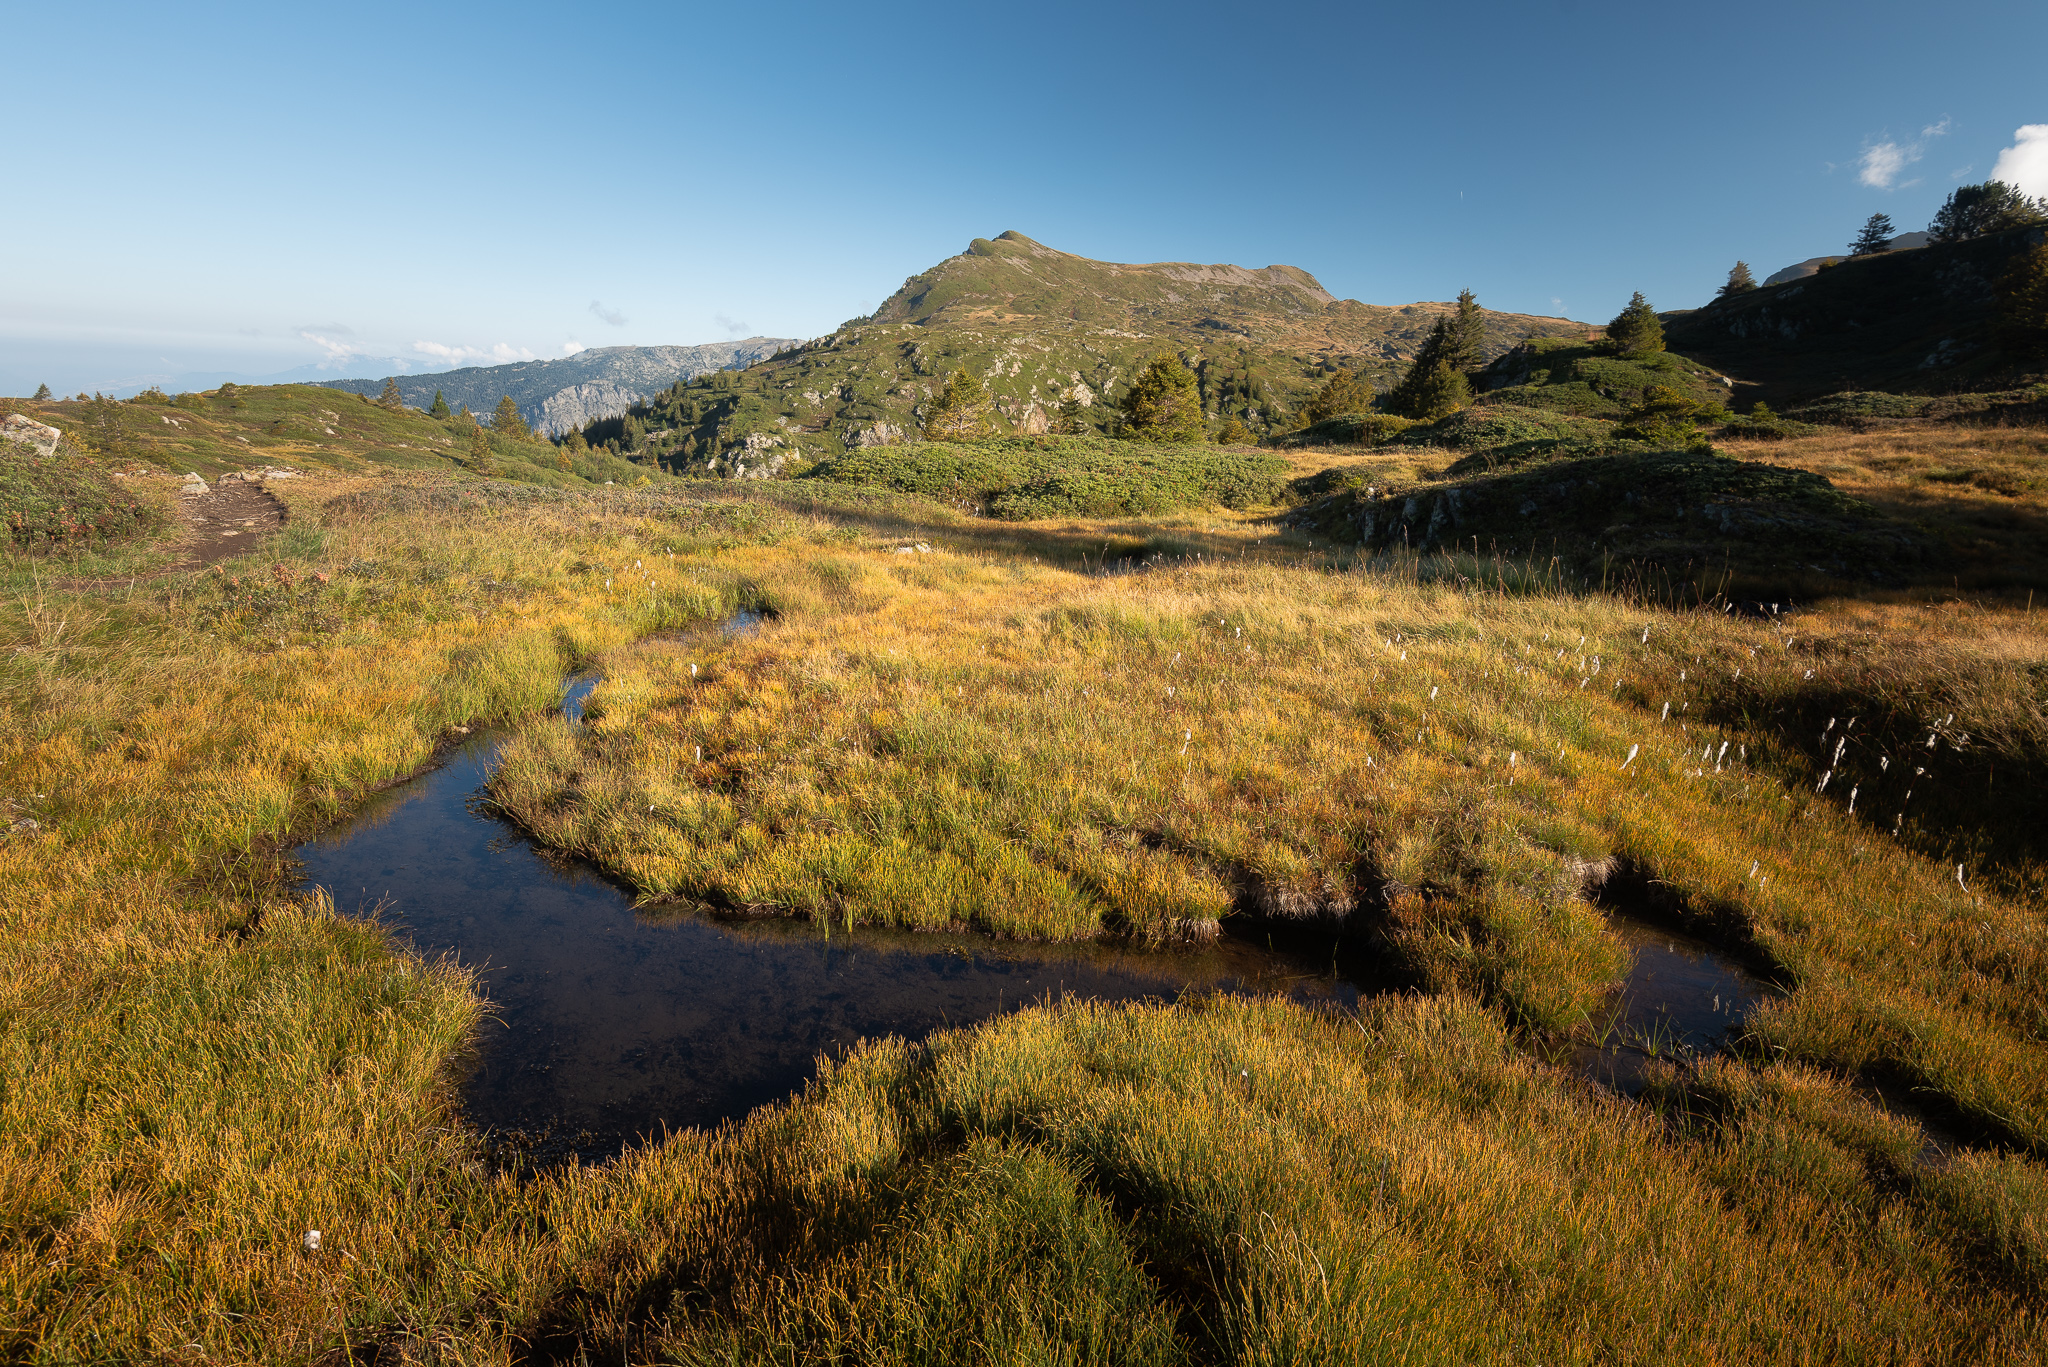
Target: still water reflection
point(609, 1024)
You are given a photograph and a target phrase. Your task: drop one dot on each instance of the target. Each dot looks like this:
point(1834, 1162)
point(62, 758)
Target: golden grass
point(1983, 491)
point(196, 1066)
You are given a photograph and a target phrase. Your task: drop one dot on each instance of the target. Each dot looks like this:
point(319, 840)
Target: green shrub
point(1020, 478)
point(1350, 429)
point(66, 501)
point(1495, 425)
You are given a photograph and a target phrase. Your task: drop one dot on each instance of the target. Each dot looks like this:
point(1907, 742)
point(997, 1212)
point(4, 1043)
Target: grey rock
point(26, 431)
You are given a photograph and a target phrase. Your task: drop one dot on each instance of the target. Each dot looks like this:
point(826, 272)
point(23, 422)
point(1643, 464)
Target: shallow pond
point(1682, 996)
point(611, 1023)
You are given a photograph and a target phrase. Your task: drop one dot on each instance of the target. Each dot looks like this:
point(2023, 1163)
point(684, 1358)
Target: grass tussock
point(197, 1065)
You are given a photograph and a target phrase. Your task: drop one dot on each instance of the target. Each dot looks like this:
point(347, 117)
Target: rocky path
point(224, 519)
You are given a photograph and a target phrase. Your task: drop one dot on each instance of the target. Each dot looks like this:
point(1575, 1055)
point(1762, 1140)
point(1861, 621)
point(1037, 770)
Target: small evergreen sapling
point(1740, 281)
point(1636, 328)
point(480, 452)
point(440, 406)
point(42, 392)
point(961, 410)
point(1876, 236)
point(1343, 393)
point(391, 398)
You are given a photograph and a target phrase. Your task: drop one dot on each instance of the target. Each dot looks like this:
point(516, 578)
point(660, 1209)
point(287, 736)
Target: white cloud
point(603, 314)
point(331, 338)
point(1884, 160)
point(734, 327)
point(2025, 163)
point(504, 353)
point(572, 346)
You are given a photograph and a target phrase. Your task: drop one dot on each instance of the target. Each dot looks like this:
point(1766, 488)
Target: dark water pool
point(1682, 997)
point(609, 1024)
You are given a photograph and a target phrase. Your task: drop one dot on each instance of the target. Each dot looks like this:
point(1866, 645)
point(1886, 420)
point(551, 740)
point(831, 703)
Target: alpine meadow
point(1095, 813)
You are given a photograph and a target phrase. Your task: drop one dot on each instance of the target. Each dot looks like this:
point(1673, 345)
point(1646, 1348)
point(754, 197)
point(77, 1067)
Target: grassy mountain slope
point(1906, 322)
point(1040, 327)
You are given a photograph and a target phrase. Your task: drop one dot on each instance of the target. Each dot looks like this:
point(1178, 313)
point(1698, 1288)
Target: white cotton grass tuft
point(1631, 756)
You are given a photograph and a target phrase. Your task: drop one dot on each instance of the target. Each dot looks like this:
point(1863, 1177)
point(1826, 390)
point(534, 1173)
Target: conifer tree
point(562, 461)
point(1407, 399)
point(1975, 210)
point(1876, 235)
point(440, 406)
point(1439, 391)
point(1740, 281)
point(506, 422)
point(480, 451)
point(1636, 327)
point(1466, 348)
point(961, 410)
point(42, 392)
point(1164, 403)
point(1343, 393)
point(391, 398)
point(1235, 433)
point(1071, 420)
point(2021, 324)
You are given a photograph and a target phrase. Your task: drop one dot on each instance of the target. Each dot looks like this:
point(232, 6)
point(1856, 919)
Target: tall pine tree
point(1467, 339)
point(1427, 387)
point(391, 398)
point(506, 422)
point(42, 392)
point(1876, 236)
point(440, 407)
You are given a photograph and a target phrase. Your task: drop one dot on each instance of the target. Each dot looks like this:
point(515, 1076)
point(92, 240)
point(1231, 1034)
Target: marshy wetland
point(688, 1029)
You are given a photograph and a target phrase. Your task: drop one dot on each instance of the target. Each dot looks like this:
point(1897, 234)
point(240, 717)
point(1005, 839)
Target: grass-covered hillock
point(312, 427)
point(1346, 429)
point(1665, 508)
point(1020, 479)
point(1874, 408)
point(69, 501)
point(1588, 380)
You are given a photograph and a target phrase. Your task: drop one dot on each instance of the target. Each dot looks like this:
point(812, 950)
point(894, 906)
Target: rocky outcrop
point(23, 430)
point(568, 409)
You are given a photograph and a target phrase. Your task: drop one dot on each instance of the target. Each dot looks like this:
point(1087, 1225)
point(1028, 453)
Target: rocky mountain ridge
point(557, 396)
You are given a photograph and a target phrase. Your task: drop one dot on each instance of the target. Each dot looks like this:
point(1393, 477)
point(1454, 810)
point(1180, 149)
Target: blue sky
point(257, 188)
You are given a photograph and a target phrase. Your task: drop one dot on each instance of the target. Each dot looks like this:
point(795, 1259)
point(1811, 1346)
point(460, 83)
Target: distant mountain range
point(555, 396)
